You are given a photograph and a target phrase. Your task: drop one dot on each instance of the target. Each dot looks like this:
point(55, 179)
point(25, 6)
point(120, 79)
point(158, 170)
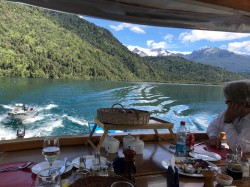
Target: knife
point(63, 168)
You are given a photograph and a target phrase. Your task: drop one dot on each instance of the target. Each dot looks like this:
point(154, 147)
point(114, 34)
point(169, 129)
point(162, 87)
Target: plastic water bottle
point(181, 140)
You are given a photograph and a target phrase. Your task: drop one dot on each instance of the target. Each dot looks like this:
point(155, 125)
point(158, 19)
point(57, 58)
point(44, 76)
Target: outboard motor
point(25, 107)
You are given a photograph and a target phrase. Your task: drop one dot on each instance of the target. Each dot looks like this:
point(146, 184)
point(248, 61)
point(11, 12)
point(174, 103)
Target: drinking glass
point(51, 149)
point(245, 146)
point(82, 171)
point(48, 178)
point(122, 184)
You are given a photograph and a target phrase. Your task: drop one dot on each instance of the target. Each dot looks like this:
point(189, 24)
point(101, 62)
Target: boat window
point(66, 66)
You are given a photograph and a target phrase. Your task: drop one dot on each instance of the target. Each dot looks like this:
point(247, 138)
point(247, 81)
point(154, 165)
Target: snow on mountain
point(206, 55)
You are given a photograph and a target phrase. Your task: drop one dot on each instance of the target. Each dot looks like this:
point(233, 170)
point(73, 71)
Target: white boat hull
point(21, 116)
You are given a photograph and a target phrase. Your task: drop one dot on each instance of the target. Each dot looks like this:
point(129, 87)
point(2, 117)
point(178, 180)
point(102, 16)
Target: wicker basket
point(122, 116)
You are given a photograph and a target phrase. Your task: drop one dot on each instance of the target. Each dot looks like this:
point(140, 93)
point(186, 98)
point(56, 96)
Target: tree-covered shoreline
point(38, 43)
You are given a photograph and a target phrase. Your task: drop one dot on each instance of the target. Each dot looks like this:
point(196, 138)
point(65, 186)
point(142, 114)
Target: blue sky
point(146, 37)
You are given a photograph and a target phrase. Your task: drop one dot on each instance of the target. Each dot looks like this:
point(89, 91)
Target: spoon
point(16, 167)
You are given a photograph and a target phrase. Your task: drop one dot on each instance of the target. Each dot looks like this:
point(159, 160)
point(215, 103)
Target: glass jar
point(112, 145)
point(127, 141)
point(138, 145)
point(235, 170)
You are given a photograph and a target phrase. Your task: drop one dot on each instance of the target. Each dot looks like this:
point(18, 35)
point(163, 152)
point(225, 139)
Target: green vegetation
point(38, 43)
point(177, 69)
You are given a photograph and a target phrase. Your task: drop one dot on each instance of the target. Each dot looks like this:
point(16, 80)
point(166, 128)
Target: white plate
point(89, 159)
point(56, 164)
point(166, 163)
point(208, 156)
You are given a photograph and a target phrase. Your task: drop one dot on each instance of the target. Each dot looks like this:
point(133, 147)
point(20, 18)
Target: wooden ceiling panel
point(220, 15)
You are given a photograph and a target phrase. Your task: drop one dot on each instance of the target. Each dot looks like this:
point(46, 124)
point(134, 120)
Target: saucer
point(56, 164)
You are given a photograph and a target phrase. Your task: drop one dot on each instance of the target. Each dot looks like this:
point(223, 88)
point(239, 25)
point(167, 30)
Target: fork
point(16, 167)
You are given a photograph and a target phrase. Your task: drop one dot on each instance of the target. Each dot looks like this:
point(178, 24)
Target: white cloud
point(149, 42)
point(169, 38)
point(137, 29)
point(212, 36)
point(131, 27)
point(156, 45)
point(239, 47)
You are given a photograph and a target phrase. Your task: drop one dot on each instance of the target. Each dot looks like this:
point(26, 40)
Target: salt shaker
point(111, 171)
point(245, 167)
point(96, 163)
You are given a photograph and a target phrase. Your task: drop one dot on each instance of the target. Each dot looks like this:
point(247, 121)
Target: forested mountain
point(177, 68)
point(39, 43)
point(221, 58)
point(42, 43)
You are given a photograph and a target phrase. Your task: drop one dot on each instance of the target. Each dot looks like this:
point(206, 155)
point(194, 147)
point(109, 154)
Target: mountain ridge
point(39, 43)
point(213, 56)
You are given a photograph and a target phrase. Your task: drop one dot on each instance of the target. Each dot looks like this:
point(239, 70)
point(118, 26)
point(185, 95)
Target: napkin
point(22, 178)
point(207, 153)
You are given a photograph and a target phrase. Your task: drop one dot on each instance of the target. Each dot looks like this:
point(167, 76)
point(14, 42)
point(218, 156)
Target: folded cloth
point(209, 154)
point(22, 178)
point(220, 151)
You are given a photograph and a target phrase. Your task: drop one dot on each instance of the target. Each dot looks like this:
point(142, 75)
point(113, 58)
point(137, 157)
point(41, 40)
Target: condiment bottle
point(172, 177)
point(96, 163)
point(130, 169)
point(245, 167)
point(111, 171)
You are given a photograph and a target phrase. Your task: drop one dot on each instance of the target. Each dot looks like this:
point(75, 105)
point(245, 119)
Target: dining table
point(150, 172)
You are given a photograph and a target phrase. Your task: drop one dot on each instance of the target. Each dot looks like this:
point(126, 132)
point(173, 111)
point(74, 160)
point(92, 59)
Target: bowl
point(224, 179)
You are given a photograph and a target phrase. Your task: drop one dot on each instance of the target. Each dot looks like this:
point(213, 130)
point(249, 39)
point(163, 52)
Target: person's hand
point(214, 141)
point(234, 111)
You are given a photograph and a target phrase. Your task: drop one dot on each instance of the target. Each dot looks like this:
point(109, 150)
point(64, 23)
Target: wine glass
point(51, 149)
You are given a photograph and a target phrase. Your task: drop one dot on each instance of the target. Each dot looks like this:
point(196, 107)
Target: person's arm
point(232, 135)
point(214, 129)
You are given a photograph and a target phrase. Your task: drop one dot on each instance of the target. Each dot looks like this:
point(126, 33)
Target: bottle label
point(190, 142)
point(180, 148)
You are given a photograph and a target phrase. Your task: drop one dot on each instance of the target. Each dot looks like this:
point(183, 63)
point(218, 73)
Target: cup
point(122, 184)
point(209, 176)
point(229, 159)
point(81, 174)
point(49, 177)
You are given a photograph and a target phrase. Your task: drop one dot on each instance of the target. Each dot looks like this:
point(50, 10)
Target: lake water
point(64, 107)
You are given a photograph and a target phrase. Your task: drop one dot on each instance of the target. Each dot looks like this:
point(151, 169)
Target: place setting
point(200, 151)
point(188, 166)
point(54, 172)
